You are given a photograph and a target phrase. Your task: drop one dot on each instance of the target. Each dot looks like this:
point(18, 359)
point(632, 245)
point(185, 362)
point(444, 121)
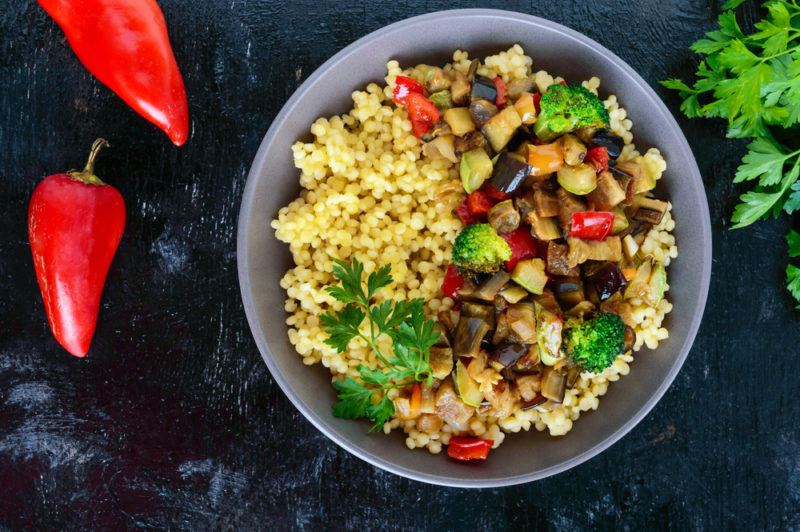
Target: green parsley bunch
point(753, 82)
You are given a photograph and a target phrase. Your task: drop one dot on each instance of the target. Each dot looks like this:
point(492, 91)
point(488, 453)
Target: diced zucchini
point(545, 229)
point(629, 247)
point(620, 221)
point(476, 167)
point(442, 147)
point(639, 286)
point(580, 179)
point(442, 100)
point(657, 285)
point(468, 389)
point(608, 194)
point(435, 80)
point(513, 293)
point(501, 127)
point(545, 203)
point(549, 326)
point(459, 120)
point(441, 362)
point(530, 275)
point(526, 109)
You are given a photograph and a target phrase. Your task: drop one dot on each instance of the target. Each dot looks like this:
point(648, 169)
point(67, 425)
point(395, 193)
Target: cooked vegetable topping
point(592, 225)
point(466, 449)
point(479, 248)
point(595, 343)
point(565, 109)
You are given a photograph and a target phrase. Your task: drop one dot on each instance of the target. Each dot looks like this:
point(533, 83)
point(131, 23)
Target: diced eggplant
point(515, 88)
point(471, 141)
point(508, 353)
point(481, 111)
point(460, 120)
point(524, 202)
point(467, 290)
point(544, 229)
point(613, 143)
point(572, 376)
point(608, 194)
point(554, 384)
point(538, 400)
point(530, 362)
point(510, 172)
point(568, 204)
point(548, 300)
point(440, 127)
point(435, 80)
point(450, 408)
point(521, 323)
point(468, 389)
point(460, 88)
point(518, 145)
point(469, 335)
point(441, 361)
point(574, 150)
point(569, 290)
point(483, 88)
point(545, 203)
point(500, 128)
point(513, 293)
point(444, 339)
point(530, 275)
point(526, 108)
point(581, 309)
point(501, 329)
point(650, 210)
point(489, 289)
point(442, 100)
point(503, 217)
point(607, 281)
point(549, 327)
point(630, 339)
point(580, 179)
point(475, 168)
point(442, 147)
point(609, 249)
point(449, 320)
point(557, 261)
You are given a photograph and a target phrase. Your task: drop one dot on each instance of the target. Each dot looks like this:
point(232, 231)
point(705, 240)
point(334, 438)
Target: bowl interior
point(273, 182)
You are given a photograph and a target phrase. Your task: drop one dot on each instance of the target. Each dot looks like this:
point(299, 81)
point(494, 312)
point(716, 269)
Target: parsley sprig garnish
point(753, 82)
point(404, 322)
point(792, 271)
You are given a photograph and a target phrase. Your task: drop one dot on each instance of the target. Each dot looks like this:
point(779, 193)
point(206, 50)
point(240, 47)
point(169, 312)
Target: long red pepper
point(124, 43)
point(75, 223)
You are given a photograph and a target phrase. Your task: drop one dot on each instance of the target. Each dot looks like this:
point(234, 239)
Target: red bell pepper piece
point(493, 193)
point(537, 102)
point(523, 246)
point(453, 281)
point(422, 112)
point(466, 449)
point(597, 157)
point(502, 92)
point(591, 225)
point(403, 86)
point(124, 43)
point(479, 203)
point(564, 83)
point(466, 217)
point(75, 223)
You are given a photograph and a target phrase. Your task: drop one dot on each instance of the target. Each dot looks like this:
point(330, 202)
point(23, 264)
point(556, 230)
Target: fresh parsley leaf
point(793, 200)
point(793, 282)
point(354, 398)
point(342, 326)
point(380, 412)
point(378, 279)
point(349, 275)
point(764, 161)
point(793, 241)
point(732, 4)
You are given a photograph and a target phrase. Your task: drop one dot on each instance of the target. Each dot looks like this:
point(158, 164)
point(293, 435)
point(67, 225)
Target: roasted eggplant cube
point(508, 353)
point(613, 143)
point(501, 128)
point(484, 88)
point(509, 173)
point(607, 281)
point(481, 111)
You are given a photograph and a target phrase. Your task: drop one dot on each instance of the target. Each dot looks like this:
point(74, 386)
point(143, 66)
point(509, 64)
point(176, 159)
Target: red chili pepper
point(479, 203)
point(422, 112)
point(591, 225)
point(403, 86)
point(453, 281)
point(493, 193)
point(466, 217)
point(502, 92)
point(463, 448)
point(537, 102)
point(523, 246)
point(75, 223)
point(124, 43)
point(597, 157)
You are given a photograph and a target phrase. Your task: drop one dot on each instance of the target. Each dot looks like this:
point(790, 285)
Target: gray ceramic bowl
point(273, 182)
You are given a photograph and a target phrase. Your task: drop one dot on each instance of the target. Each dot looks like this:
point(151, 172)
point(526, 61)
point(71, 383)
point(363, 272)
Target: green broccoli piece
point(595, 343)
point(565, 109)
point(479, 248)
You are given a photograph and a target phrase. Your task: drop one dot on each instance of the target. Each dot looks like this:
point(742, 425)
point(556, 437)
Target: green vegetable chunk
point(479, 248)
point(594, 344)
point(565, 109)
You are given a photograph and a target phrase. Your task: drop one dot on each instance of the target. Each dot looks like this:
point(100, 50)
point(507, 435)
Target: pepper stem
point(87, 175)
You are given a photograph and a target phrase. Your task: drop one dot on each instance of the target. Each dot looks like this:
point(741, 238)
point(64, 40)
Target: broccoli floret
point(565, 109)
point(479, 248)
point(595, 343)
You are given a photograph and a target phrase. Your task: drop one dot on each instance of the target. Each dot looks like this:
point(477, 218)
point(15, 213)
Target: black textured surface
point(173, 420)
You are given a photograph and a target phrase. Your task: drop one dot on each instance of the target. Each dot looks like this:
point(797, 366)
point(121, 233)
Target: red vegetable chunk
point(591, 225)
point(403, 86)
point(422, 112)
point(597, 157)
point(523, 246)
point(479, 203)
point(502, 92)
point(466, 449)
point(453, 281)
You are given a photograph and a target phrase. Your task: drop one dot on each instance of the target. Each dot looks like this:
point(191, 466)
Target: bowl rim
point(248, 205)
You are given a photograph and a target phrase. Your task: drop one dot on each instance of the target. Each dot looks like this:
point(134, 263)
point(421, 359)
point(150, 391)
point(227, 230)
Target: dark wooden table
point(173, 420)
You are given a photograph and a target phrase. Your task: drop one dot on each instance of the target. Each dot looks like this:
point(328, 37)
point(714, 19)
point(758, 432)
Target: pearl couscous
point(372, 191)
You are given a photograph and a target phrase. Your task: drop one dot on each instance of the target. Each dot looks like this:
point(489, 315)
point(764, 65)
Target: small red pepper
point(453, 281)
point(75, 223)
point(124, 43)
point(493, 193)
point(597, 157)
point(502, 92)
point(466, 217)
point(591, 225)
point(466, 449)
point(422, 112)
point(537, 102)
point(523, 246)
point(479, 203)
point(564, 83)
point(403, 86)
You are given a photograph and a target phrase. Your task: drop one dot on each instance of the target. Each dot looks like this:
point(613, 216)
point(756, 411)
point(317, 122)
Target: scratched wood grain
point(173, 420)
